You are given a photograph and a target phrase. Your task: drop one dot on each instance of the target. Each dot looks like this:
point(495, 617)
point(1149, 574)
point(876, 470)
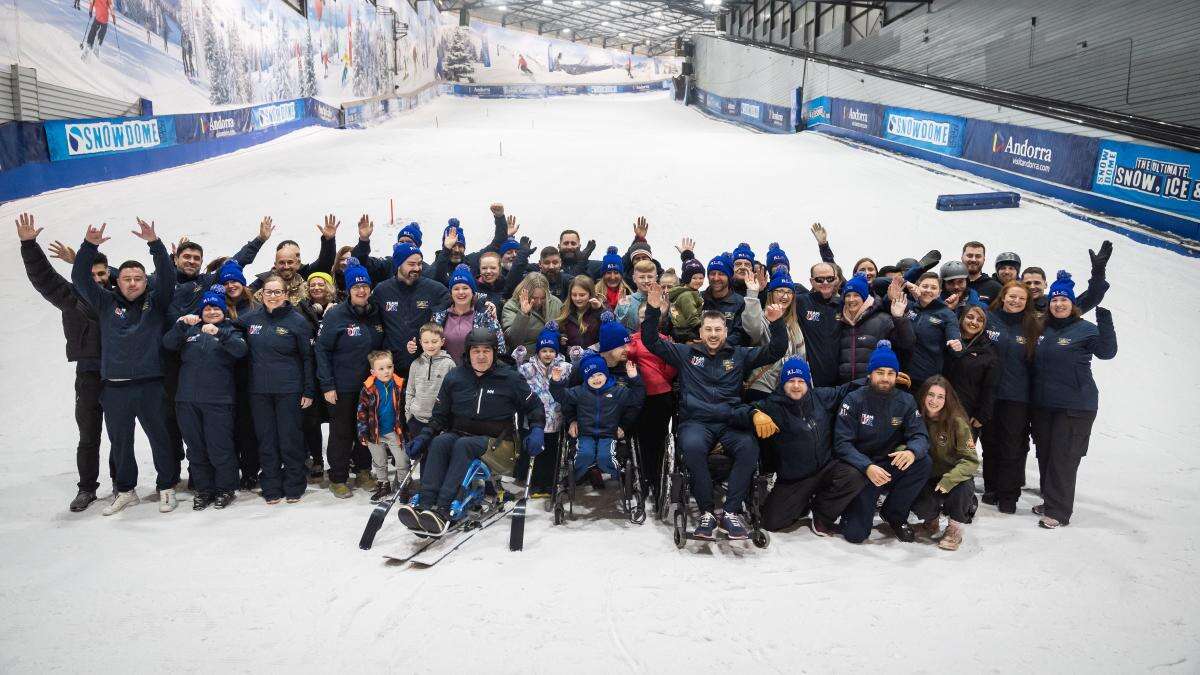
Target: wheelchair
point(633, 498)
point(675, 492)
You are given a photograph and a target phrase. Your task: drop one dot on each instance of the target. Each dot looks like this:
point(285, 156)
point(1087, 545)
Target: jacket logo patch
point(1064, 341)
point(812, 315)
point(391, 306)
point(697, 361)
point(845, 410)
point(863, 338)
point(866, 420)
point(491, 391)
point(354, 330)
point(379, 328)
point(728, 365)
point(193, 338)
point(896, 421)
point(422, 304)
point(119, 312)
point(146, 305)
point(255, 329)
point(994, 335)
point(934, 320)
point(280, 330)
point(912, 314)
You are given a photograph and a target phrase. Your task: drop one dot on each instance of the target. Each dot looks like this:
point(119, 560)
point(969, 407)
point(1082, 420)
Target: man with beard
point(879, 431)
point(381, 269)
point(549, 264)
point(1034, 279)
point(973, 256)
point(1008, 267)
point(408, 301)
point(454, 244)
point(82, 333)
point(575, 261)
point(295, 274)
point(719, 297)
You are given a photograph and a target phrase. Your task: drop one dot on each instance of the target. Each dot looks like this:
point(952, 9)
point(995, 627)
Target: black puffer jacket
point(858, 340)
point(974, 375)
point(80, 328)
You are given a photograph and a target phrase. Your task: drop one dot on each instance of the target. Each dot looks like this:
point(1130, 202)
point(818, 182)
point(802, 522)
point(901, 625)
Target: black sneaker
point(408, 517)
point(990, 498)
point(904, 532)
point(316, 474)
point(383, 490)
point(202, 500)
point(707, 527)
point(821, 528)
point(1007, 506)
point(248, 483)
point(434, 521)
point(596, 478)
point(223, 499)
point(1039, 510)
point(82, 500)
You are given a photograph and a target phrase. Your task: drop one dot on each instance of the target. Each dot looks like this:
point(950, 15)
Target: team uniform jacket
point(933, 326)
point(347, 335)
point(405, 308)
point(1062, 364)
point(281, 360)
point(189, 290)
point(818, 319)
point(207, 373)
point(483, 405)
point(870, 425)
point(599, 412)
point(804, 442)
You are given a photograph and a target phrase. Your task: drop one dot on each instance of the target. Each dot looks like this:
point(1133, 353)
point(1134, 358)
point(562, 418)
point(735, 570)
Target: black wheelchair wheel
point(760, 538)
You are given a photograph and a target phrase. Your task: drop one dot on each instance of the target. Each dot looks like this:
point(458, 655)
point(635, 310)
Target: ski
point(424, 544)
point(430, 555)
point(379, 514)
point(516, 536)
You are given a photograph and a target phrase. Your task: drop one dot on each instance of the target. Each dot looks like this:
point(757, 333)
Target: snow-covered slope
point(286, 587)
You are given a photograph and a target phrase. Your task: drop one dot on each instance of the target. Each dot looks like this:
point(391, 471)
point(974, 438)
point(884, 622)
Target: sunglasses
point(824, 280)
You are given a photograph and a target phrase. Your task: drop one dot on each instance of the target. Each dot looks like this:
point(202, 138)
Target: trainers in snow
point(409, 517)
point(316, 474)
point(434, 521)
point(821, 528)
point(167, 501)
point(383, 490)
point(953, 537)
point(83, 500)
point(1039, 510)
point(1049, 523)
point(340, 490)
point(706, 528)
point(202, 501)
point(223, 499)
point(904, 532)
point(123, 500)
point(365, 480)
point(733, 526)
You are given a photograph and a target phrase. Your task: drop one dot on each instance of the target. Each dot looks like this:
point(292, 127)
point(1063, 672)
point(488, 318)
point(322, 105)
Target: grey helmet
point(481, 336)
point(953, 269)
point(1008, 258)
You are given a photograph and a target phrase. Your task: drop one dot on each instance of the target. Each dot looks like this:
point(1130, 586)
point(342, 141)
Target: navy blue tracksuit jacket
point(599, 412)
point(871, 425)
point(1062, 364)
point(281, 360)
point(206, 375)
point(348, 334)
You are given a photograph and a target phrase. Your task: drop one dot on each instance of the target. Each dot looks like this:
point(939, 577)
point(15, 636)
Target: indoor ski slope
point(286, 587)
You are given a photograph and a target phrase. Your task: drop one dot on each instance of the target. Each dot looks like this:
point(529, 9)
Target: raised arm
point(776, 348)
point(46, 281)
point(81, 270)
point(1104, 346)
point(655, 300)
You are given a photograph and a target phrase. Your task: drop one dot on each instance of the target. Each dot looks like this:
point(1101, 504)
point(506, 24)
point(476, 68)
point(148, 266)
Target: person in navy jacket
point(352, 329)
point(407, 302)
point(710, 381)
point(1065, 398)
point(879, 431)
point(935, 327)
point(208, 347)
point(795, 424)
point(599, 411)
point(132, 320)
point(281, 385)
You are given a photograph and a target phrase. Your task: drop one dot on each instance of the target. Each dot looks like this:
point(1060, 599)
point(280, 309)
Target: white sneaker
point(123, 499)
point(166, 501)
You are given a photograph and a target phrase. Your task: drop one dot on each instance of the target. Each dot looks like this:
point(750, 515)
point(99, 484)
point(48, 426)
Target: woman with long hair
point(527, 311)
point(780, 291)
point(579, 320)
point(1013, 326)
point(975, 372)
point(950, 489)
point(468, 309)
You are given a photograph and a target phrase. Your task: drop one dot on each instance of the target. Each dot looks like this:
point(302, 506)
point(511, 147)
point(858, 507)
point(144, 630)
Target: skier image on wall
point(523, 65)
point(100, 12)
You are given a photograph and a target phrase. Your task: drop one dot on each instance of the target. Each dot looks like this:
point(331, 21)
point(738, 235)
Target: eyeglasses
point(824, 280)
point(270, 291)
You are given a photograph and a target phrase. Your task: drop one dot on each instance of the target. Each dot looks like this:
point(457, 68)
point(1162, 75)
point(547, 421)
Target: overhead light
point(547, 2)
point(604, 23)
point(566, 30)
point(502, 8)
point(620, 34)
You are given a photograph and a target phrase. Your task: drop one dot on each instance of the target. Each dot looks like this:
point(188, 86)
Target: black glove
point(1100, 260)
point(526, 245)
point(932, 258)
point(587, 250)
point(1103, 315)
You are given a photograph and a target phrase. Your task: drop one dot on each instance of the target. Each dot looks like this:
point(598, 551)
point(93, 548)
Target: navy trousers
point(281, 450)
point(138, 401)
point(207, 430)
point(696, 439)
point(445, 466)
point(901, 491)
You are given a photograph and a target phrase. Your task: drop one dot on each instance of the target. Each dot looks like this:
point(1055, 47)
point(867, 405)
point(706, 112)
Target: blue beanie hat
point(612, 262)
point(883, 357)
point(355, 274)
point(462, 275)
point(793, 368)
point(1063, 286)
point(403, 251)
point(776, 256)
point(462, 238)
point(858, 284)
point(231, 270)
point(509, 244)
point(721, 264)
point(592, 363)
point(215, 297)
point(780, 279)
point(549, 337)
point(743, 252)
point(612, 333)
point(412, 231)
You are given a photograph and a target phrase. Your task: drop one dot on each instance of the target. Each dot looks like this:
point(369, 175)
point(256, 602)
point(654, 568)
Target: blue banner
point(930, 131)
point(543, 90)
point(1158, 177)
point(274, 114)
point(325, 114)
point(817, 111)
point(764, 116)
point(205, 126)
point(1065, 159)
point(866, 118)
point(72, 139)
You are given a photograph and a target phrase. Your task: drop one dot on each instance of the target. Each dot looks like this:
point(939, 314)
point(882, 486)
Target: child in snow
point(536, 372)
point(380, 425)
point(598, 412)
point(425, 377)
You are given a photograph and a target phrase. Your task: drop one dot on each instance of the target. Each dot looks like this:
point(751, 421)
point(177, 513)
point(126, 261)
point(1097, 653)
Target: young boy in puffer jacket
point(536, 372)
point(425, 377)
point(598, 412)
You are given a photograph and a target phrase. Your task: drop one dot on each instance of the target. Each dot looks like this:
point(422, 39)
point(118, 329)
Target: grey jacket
point(425, 377)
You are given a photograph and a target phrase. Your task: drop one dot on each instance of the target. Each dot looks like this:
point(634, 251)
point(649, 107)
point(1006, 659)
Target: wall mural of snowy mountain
point(197, 55)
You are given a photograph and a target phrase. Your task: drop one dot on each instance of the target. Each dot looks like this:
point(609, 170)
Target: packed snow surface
point(286, 587)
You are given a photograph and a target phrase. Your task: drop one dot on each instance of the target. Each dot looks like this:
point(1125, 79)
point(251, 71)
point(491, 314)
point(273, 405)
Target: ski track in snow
point(286, 586)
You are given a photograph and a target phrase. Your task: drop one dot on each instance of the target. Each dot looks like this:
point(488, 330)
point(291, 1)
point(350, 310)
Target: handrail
point(1166, 133)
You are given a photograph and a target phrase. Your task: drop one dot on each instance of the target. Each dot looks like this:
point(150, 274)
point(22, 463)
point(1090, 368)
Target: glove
point(764, 426)
point(904, 380)
point(1100, 260)
point(932, 258)
point(526, 244)
point(535, 442)
point(414, 448)
point(587, 250)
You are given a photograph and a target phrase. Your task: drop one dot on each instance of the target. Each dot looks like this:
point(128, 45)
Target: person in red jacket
point(651, 429)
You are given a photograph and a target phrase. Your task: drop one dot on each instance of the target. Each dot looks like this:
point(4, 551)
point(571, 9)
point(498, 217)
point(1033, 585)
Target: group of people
point(867, 389)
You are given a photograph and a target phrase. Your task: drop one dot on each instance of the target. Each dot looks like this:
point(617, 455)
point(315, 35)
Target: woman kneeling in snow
point(950, 489)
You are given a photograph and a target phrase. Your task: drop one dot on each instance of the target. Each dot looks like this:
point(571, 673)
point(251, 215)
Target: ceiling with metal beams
point(645, 26)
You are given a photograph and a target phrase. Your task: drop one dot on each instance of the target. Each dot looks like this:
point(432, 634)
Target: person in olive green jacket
point(950, 489)
point(686, 303)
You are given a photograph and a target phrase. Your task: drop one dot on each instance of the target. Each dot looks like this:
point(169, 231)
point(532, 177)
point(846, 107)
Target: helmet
point(1008, 258)
point(906, 264)
point(482, 336)
point(953, 269)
